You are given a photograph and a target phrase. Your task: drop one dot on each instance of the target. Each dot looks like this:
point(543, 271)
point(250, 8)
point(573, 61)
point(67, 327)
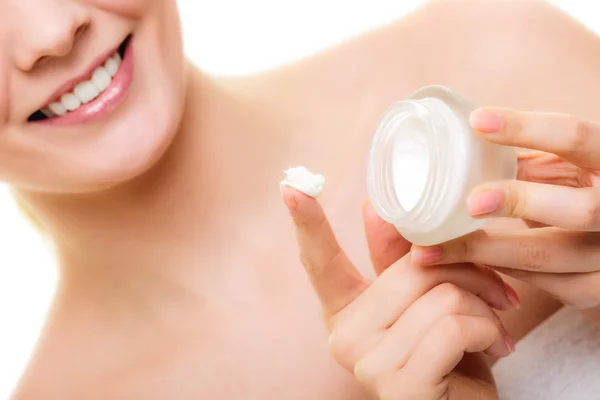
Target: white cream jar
point(424, 160)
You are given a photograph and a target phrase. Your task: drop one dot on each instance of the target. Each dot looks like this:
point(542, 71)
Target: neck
point(183, 214)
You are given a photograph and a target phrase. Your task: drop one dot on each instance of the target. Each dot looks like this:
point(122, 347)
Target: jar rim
point(447, 168)
point(379, 183)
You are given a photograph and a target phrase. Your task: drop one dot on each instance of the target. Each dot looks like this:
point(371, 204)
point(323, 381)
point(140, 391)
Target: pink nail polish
point(426, 255)
point(483, 203)
point(512, 296)
point(485, 121)
point(510, 343)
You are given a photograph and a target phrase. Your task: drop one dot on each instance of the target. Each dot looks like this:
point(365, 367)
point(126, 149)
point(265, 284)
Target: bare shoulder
point(524, 54)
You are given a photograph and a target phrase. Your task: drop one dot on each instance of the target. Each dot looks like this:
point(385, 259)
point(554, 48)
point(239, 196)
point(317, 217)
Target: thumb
point(386, 245)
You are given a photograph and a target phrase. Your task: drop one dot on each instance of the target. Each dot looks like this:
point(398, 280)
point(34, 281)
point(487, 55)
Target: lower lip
point(110, 99)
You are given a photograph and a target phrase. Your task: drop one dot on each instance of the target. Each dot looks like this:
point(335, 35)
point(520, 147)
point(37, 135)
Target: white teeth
point(70, 101)
point(47, 112)
point(86, 92)
point(112, 64)
point(57, 108)
point(101, 79)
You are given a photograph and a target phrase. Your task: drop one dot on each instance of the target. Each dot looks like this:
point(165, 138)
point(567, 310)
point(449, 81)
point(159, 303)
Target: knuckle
point(304, 221)
point(460, 250)
point(315, 267)
point(489, 332)
point(531, 256)
point(514, 124)
point(492, 327)
point(342, 345)
point(320, 221)
point(579, 134)
point(452, 327)
point(309, 264)
point(589, 217)
point(516, 203)
point(366, 374)
point(385, 393)
point(451, 297)
point(465, 248)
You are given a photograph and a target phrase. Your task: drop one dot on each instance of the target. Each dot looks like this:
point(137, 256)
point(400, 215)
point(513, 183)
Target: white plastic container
point(424, 160)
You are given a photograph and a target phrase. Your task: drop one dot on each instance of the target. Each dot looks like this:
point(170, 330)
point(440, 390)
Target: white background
point(223, 37)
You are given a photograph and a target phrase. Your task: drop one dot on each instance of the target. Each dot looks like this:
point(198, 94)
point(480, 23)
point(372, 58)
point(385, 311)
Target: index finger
point(333, 276)
point(569, 137)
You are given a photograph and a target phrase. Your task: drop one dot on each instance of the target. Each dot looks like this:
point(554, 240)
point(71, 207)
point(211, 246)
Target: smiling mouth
point(84, 91)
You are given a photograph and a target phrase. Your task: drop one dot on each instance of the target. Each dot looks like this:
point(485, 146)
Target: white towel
point(559, 360)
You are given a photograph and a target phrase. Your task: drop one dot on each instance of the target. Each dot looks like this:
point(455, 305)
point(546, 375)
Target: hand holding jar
point(414, 332)
point(557, 193)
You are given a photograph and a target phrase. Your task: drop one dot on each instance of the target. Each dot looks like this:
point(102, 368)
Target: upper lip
point(71, 83)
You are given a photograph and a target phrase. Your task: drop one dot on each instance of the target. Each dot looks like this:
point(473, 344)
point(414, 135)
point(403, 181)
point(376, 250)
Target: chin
point(140, 135)
point(127, 152)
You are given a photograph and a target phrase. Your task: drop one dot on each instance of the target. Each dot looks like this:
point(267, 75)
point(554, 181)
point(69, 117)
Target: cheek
point(162, 64)
point(163, 19)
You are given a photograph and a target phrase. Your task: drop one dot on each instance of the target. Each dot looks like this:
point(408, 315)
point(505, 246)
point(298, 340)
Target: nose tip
point(49, 41)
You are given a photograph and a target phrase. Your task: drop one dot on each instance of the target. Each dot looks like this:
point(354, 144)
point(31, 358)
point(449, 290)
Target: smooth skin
point(557, 192)
point(179, 275)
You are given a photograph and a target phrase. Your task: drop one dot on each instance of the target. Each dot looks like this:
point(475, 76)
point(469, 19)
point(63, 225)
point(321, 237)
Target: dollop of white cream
point(305, 181)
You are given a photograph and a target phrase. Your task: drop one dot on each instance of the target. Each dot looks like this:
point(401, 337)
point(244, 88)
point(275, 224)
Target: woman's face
point(74, 118)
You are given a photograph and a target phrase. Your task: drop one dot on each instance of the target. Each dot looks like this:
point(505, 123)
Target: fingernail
point(426, 255)
point(483, 203)
point(485, 121)
point(510, 344)
point(512, 296)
